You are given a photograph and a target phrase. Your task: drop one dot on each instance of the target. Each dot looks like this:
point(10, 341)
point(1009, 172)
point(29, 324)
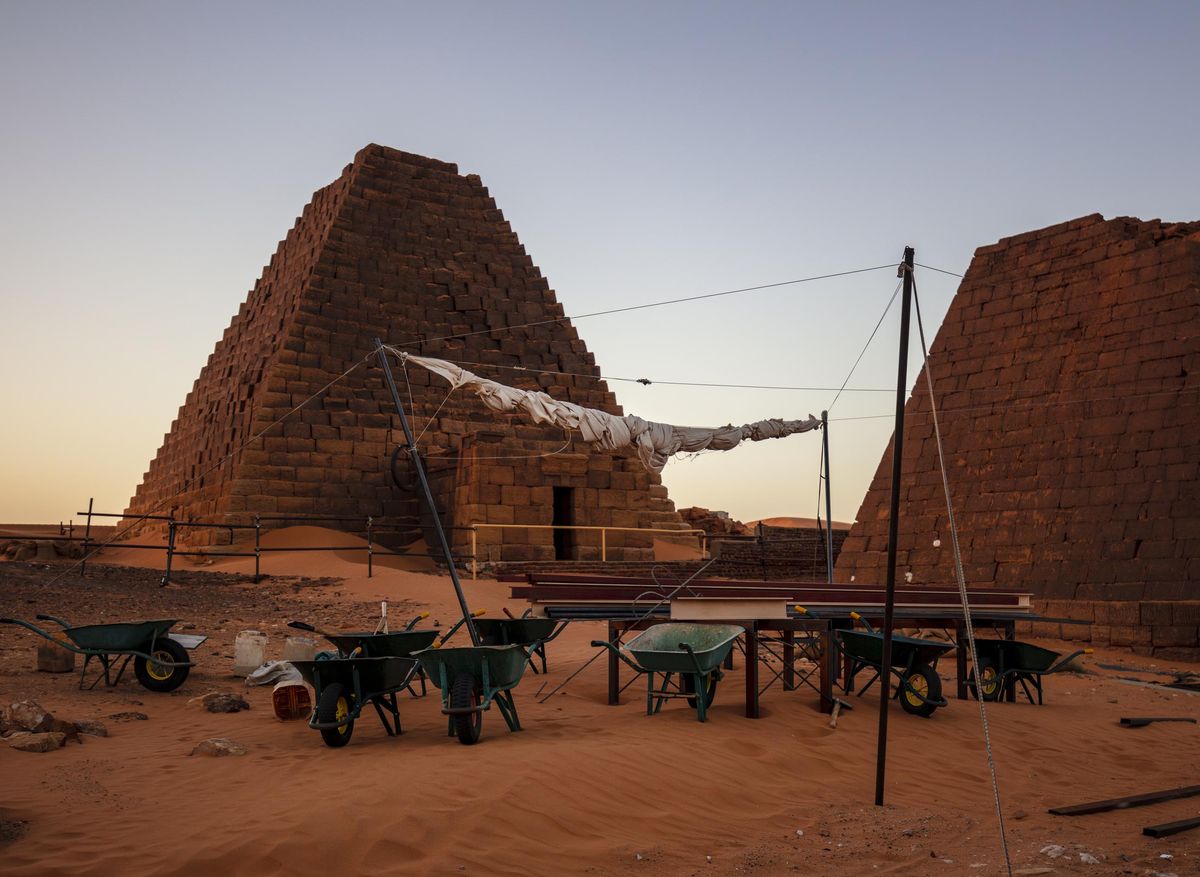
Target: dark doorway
point(564, 515)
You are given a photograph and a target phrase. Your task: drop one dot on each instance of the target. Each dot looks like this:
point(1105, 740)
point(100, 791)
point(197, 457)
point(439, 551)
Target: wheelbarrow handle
point(1061, 663)
point(856, 617)
point(454, 629)
point(60, 622)
point(44, 633)
point(413, 623)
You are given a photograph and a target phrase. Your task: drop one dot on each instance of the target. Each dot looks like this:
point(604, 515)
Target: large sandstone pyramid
point(406, 249)
point(1067, 371)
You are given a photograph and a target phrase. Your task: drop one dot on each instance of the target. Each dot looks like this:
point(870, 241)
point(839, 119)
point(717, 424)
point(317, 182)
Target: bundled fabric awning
point(654, 442)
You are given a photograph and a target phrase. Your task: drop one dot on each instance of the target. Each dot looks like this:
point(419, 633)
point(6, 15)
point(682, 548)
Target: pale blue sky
point(155, 153)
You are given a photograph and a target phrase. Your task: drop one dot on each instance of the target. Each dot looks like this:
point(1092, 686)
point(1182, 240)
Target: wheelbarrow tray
point(1017, 656)
point(401, 644)
point(867, 646)
point(657, 649)
point(514, 631)
point(130, 636)
point(505, 663)
point(380, 675)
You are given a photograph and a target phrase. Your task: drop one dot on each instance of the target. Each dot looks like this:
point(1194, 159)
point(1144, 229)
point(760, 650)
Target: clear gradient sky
point(155, 153)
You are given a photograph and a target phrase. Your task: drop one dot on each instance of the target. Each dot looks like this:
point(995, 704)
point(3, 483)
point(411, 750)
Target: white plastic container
point(300, 648)
point(249, 652)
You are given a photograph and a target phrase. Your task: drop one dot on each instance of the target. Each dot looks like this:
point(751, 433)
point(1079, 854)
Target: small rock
point(27, 741)
point(91, 727)
point(220, 702)
point(1019, 814)
point(25, 715)
point(128, 717)
point(799, 832)
point(218, 746)
point(1054, 851)
point(1088, 859)
point(908, 832)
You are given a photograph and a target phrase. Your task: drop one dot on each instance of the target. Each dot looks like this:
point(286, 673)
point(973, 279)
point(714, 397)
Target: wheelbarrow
point(531, 634)
point(1005, 662)
point(160, 659)
point(398, 644)
point(693, 651)
point(472, 678)
point(344, 686)
point(914, 663)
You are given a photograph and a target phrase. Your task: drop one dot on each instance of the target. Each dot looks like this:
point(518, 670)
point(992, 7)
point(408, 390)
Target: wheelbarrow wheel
point(162, 677)
point(710, 693)
point(334, 706)
point(465, 693)
point(985, 681)
point(925, 681)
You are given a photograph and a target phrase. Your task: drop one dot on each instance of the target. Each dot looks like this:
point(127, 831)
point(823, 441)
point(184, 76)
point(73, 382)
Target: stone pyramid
point(1067, 371)
point(407, 249)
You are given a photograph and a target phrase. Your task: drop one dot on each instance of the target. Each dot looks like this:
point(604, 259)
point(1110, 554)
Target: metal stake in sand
point(828, 500)
point(889, 605)
point(419, 466)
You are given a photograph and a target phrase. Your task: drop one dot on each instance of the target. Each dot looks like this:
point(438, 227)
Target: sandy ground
point(585, 788)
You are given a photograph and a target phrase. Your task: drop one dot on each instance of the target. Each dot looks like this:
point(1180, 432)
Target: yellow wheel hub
point(917, 685)
point(988, 680)
point(160, 672)
point(341, 713)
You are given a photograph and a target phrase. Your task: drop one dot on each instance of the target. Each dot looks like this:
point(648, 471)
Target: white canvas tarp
point(654, 442)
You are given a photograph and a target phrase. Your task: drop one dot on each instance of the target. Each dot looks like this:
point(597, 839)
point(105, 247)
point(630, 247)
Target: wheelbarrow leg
point(508, 709)
point(701, 689)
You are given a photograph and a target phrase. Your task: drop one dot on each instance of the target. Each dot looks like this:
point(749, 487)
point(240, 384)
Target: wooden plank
point(1166, 829)
point(1128, 801)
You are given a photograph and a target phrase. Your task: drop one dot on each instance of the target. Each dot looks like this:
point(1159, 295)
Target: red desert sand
point(585, 788)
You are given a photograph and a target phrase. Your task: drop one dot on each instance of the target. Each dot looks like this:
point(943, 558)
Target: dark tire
point(924, 680)
point(465, 693)
point(162, 677)
point(710, 694)
point(334, 704)
point(985, 681)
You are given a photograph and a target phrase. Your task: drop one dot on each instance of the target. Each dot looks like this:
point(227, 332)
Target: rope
point(189, 481)
point(863, 352)
point(657, 304)
point(962, 588)
point(938, 270)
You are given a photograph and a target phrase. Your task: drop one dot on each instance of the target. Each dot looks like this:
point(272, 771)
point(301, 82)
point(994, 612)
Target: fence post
point(370, 551)
point(87, 538)
point(166, 579)
point(603, 545)
point(474, 553)
point(257, 549)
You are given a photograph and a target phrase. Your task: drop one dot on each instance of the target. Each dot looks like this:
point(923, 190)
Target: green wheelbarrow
point(531, 634)
point(397, 644)
point(344, 686)
point(1005, 662)
point(914, 664)
point(160, 659)
point(694, 652)
point(472, 678)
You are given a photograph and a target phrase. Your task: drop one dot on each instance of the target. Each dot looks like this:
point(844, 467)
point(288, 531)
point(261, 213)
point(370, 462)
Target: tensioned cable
point(962, 586)
point(648, 382)
point(863, 352)
point(656, 304)
point(938, 270)
point(190, 481)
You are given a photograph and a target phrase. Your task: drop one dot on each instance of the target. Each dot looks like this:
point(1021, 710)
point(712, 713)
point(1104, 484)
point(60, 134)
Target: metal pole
point(370, 551)
point(474, 553)
point(257, 549)
point(828, 500)
point(889, 605)
point(87, 538)
point(419, 466)
point(166, 579)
